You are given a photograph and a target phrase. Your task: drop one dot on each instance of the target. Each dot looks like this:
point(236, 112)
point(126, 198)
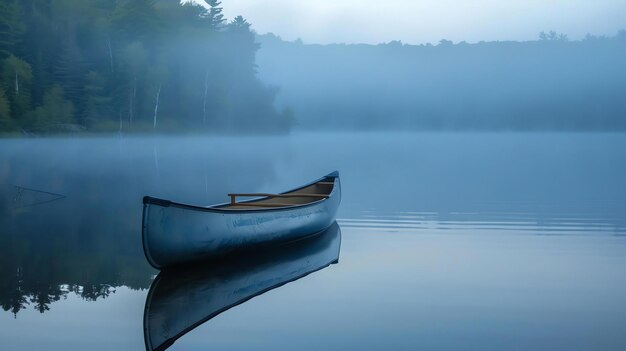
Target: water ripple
point(557, 224)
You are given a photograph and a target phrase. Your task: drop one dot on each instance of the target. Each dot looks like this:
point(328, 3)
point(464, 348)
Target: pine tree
point(214, 15)
point(135, 19)
point(243, 43)
point(69, 73)
point(6, 123)
point(10, 28)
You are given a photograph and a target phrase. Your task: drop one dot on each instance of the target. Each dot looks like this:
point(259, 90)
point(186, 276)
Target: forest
point(130, 66)
point(551, 83)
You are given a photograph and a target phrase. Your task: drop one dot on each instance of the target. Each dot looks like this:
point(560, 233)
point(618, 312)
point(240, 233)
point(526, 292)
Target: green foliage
point(135, 19)
point(16, 67)
point(108, 59)
point(55, 113)
point(17, 76)
point(10, 27)
point(5, 112)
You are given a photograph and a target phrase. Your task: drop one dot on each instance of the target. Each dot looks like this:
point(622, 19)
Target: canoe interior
point(322, 187)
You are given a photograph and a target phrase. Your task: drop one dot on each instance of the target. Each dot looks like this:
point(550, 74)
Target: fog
point(421, 21)
point(159, 66)
point(548, 84)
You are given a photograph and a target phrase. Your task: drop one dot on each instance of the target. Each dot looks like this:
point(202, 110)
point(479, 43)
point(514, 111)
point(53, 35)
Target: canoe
point(179, 300)
point(175, 233)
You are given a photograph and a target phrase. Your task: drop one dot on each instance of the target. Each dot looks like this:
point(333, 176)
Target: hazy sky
point(420, 21)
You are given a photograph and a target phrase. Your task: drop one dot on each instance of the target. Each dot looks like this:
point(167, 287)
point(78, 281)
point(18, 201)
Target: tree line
point(130, 65)
point(552, 83)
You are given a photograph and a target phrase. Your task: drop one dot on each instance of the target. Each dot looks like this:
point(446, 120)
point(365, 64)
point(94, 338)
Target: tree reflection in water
point(70, 210)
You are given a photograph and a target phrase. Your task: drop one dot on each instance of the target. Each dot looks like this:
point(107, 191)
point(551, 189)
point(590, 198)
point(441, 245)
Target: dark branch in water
point(21, 190)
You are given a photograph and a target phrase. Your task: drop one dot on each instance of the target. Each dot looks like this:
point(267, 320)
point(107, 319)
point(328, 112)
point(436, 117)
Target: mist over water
point(444, 173)
point(445, 237)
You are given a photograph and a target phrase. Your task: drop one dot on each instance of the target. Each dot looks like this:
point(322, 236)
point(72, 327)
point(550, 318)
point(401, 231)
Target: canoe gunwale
point(222, 208)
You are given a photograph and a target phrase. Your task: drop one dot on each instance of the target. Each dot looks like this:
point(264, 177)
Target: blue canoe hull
point(175, 234)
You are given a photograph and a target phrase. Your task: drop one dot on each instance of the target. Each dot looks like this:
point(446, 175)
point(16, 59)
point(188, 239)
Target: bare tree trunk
point(110, 52)
point(156, 107)
point(206, 91)
point(17, 84)
point(132, 103)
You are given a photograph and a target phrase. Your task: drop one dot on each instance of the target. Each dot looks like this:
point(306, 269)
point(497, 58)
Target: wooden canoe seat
point(233, 197)
point(311, 193)
point(252, 204)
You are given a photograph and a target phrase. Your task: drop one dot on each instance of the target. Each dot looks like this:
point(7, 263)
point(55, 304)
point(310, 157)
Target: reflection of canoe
point(181, 300)
point(175, 233)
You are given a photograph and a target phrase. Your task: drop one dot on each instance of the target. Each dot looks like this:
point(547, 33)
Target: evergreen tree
point(6, 122)
point(243, 44)
point(214, 15)
point(69, 73)
point(10, 28)
point(135, 19)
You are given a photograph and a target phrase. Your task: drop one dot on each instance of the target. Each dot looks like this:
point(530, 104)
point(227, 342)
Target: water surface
point(449, 240)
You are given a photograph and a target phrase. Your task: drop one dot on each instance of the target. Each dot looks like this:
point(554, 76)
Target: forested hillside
point(548, 84)
point(129, 65)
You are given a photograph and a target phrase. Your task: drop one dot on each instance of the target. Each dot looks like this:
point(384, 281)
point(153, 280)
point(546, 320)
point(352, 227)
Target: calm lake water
point(447, 242)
